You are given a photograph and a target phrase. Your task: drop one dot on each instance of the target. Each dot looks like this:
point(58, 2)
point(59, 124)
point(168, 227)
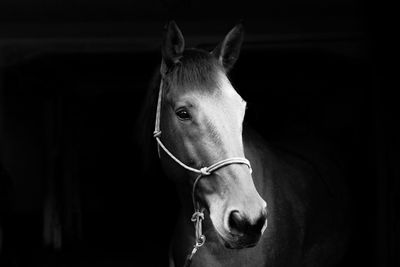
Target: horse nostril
point(236, 223)
point(262, 221)
point(239, 225)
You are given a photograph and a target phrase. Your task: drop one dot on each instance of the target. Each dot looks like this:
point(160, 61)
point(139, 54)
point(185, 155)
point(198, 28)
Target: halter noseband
point(198, 215)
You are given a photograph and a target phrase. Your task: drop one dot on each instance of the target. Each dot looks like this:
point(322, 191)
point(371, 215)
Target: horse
point(244, 201)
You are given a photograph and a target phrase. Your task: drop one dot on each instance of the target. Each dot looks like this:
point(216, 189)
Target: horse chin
point(238, 245)
point(238, 242)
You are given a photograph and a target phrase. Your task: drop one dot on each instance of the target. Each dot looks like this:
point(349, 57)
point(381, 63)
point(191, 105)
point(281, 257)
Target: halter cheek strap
point(198, 215)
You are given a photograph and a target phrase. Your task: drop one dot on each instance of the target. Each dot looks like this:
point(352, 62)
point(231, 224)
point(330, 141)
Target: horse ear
point(227, 52)
point(173, 44)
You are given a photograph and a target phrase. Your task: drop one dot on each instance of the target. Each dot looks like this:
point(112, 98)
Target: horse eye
point(183, 114)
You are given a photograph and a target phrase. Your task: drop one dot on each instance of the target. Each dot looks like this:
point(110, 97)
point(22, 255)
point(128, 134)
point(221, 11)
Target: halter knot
point(156, 134)
point(204, 171)
point(197, 215)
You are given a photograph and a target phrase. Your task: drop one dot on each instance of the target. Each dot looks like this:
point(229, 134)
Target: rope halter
point(198, 215)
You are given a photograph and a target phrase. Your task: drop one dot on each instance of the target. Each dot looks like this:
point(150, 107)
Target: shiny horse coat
point(287, 212)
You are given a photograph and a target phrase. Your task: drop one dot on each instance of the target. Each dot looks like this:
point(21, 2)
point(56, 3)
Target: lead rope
point(198, 215)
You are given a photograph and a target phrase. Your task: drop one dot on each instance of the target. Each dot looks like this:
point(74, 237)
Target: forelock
point(196, 70)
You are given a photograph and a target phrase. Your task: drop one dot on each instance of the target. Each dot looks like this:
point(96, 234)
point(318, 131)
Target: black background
point(74, 76)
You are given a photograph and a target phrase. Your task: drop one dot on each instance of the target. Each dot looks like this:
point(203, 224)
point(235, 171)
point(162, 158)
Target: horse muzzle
point(245, 232)
point(241, 231)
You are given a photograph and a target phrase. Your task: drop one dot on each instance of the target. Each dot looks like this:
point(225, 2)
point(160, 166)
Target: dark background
point(73, 76)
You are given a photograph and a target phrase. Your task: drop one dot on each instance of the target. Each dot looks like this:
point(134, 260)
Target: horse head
point(201, 119)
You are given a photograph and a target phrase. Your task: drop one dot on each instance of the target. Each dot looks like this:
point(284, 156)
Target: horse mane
point(196, 70)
